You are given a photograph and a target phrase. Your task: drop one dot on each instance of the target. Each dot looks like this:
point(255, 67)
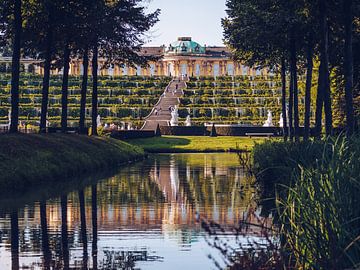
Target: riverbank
point(196, 144)
point(28, 160)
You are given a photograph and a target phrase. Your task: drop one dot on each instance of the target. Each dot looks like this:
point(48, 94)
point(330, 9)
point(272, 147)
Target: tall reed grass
point(317, 187)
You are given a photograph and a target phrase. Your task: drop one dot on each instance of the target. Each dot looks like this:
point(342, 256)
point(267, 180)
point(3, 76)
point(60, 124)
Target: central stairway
point(161, 113)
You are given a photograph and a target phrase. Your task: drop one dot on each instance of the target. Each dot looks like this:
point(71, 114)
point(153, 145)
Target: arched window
point(183, 48)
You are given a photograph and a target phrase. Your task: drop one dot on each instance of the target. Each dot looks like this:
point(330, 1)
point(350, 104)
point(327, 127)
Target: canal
point(147, 216)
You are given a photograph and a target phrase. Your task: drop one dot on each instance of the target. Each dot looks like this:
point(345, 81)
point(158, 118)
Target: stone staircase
point(161, 113)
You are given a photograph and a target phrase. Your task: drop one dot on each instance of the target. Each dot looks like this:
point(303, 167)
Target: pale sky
point(199, 19)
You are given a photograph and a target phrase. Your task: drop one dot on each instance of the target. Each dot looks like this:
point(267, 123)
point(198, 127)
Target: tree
point(119, 29)
point(15, 67)
point(11, 31)
point(349, 65)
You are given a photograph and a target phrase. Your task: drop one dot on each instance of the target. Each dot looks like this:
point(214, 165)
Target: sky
point(199, 19)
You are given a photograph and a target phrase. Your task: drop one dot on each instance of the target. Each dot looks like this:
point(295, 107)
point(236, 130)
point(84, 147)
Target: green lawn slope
point(195, 144)
point(27, 160)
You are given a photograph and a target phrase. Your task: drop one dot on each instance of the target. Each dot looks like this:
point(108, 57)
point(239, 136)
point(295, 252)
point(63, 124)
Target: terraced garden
point(120, 99)
point(241, 99)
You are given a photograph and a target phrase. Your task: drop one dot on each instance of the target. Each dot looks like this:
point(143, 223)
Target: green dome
point(184, 45)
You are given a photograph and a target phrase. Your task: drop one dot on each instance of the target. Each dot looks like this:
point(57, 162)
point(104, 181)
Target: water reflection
point(145, 217)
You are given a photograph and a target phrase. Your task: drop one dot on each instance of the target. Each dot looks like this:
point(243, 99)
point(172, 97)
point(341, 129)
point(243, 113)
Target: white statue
point(9, 118)
point(188, 121)
point(281, 122)
point(174, 117)
point(129, 127)
point(269, 122)
point(98, 121)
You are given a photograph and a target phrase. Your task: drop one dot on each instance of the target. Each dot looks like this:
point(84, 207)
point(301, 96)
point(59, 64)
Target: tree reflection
point(83, 228)
point(64, 232)
point(14, 240)
point(94, 224)
point(44, 235)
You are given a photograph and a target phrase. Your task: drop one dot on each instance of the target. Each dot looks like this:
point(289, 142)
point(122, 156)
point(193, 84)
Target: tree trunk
point(324, 59)
point(309, 73)
point(294, 79)
point(15, 68)
point(319, 103)
point(94, 113)
point(349, 67)
point(283, 98)
point(46, 80)
point(64, 89)
point(291, 104)
point(84, 90)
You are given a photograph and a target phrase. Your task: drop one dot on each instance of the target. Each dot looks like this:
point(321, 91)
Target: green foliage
point(317, 186)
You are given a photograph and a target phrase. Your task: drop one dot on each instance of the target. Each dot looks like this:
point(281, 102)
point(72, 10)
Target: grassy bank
point(195, 144)
point(316, 186)
point(27, 160)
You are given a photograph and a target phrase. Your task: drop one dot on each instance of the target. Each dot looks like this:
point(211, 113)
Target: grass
point(28, 160)
point(317, 188)
point(195, 144)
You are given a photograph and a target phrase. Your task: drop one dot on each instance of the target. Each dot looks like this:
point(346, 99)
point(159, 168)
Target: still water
point(147, 216)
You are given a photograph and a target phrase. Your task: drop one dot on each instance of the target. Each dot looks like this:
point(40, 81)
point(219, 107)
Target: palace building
point(182, 57)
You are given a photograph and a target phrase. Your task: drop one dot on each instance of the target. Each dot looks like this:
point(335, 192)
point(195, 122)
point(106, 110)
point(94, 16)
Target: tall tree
point(349, 65)
point(309, 75)
point(15, 67)
point(324, 59)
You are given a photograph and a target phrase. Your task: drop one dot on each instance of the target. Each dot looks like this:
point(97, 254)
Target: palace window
point(183, 48)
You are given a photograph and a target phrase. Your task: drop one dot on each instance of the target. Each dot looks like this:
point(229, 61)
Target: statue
point(269, 122)
point(9, 118)
point(188, 121)
point(174, 117)
point(281, 122)
point(98, 121)
point(129, 127)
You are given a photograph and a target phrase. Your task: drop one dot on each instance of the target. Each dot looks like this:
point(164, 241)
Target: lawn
point(195, 144)
point(28, 160)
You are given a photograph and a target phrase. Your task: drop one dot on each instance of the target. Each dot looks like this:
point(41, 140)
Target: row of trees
point(292, 35)
point(56, 31)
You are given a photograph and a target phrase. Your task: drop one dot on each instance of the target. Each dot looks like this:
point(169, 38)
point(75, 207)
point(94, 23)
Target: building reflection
point(165, 195)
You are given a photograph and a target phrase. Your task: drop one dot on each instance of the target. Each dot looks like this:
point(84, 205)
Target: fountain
point(174, 117)
point(268, 122)
point(188, 121)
